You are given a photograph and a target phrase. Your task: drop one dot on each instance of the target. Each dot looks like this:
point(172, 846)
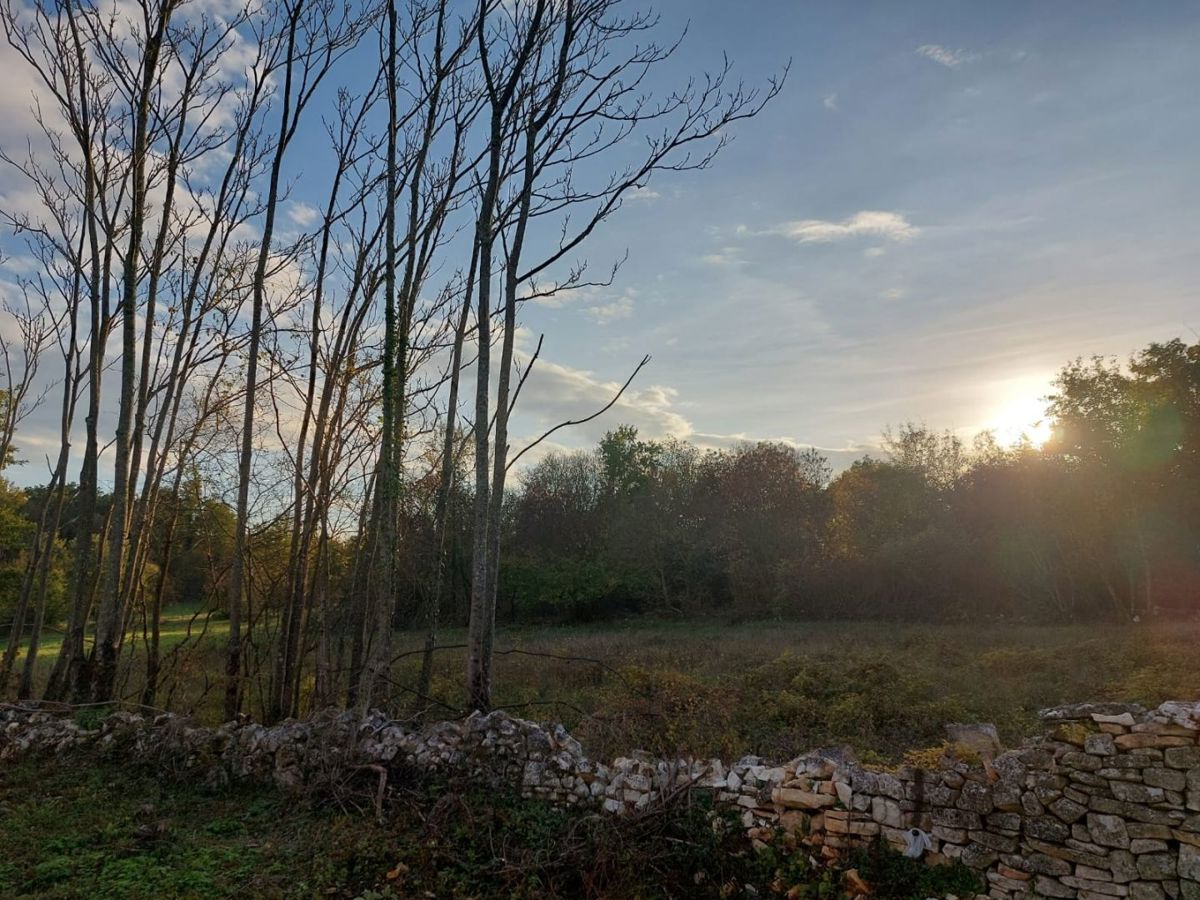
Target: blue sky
point(947, 202)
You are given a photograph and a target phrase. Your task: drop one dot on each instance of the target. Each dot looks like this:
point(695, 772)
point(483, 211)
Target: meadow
point(770, 688)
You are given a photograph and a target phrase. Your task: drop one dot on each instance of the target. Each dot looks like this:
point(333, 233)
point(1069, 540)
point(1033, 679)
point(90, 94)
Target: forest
point(295, 421)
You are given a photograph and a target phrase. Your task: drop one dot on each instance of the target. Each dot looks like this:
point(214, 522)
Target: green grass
point(178, 624)
point(771, 688)
point(88, 828)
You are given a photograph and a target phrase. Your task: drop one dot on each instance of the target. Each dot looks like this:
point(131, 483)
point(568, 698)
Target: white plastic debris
point(918, 842)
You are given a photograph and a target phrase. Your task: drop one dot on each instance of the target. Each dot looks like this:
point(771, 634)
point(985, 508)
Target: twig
point(609, 405)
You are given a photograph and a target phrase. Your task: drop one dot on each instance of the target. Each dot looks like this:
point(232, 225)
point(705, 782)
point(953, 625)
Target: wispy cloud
point(949, 57)
point(556, 392)
point(604, 313)
point(642, 193)
point(830, 102)
point(303, 214)
point(868, 223)
point(724, 256)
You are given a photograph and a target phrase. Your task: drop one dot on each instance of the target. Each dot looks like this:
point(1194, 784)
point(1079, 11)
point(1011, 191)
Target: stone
point(1100, 888)
point(1004, 822)
point(1086, 711)
point(1168, 779)
point(977, 856)
point(1068, 810)
point(1084, 762)
point(1144, 830)
point(844, 793)
point(1108, 830)
point(1124, 720)
point(1137, 793)
point(1099, 745)
point(993, 841)
point(1181, 713)
point(1042, 864)
point(792, 798)
point(976, 797)
point(1135, 811)
point(1138, 846)
point(1031, 805)
point(1047, 886)
point(957, 818)
point(1189, 862)
point(1123, 866)
point(1156, 866)
point(1045, 828)
point(1135, 741)
point(953, 835)
point(886, 812)
point(1006, 795)
point(1143, 890)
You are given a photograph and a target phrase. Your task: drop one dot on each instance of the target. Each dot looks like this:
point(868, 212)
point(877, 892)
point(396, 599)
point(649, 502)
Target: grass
point(75, 828)
point(89, 828)
point(769, 688)
point(779, 688)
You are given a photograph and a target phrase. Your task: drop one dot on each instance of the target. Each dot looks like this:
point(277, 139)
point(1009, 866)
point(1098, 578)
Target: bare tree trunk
point(442, 521)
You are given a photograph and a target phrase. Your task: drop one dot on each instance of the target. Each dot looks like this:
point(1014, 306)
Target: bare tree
point(565, 84)
point(313, 36)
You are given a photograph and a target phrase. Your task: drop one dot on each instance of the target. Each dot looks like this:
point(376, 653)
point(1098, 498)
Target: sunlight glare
point(1023, 414)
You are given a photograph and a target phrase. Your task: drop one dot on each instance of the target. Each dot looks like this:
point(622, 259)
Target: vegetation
point(86, 828)
point(268, 492)
point(300, 360)
point(291, 444)
point(1097, 527)
point(1100, 523)
point(765, 687)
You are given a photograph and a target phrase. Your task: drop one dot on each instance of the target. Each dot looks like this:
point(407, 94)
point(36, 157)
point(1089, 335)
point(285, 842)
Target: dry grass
point(771, 688)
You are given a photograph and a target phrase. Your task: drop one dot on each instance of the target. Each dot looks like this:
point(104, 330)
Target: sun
point(1021, 415)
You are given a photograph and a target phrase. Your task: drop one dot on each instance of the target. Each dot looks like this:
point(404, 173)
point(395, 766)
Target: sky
point(947, 202)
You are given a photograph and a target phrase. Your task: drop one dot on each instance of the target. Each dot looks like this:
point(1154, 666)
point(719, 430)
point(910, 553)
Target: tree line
point(1099, 523)
point(266, 406)
point(1102, 522)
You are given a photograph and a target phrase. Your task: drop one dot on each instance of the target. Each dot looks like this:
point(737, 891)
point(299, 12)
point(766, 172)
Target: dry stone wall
point(1107, 804)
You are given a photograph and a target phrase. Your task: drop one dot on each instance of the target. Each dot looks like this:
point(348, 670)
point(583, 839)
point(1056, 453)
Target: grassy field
point(771, 688)
point(778, 688)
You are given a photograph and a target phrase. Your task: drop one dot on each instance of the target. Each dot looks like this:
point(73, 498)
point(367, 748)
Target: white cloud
point(873, 223)
point(840, 458)
point(556, 392)
point(949, 57)
point(642, 193)
point(872, 252)
point(596, 301)
point(303, 214)
point(725, 256)
point(604, 313)
point(830, 102)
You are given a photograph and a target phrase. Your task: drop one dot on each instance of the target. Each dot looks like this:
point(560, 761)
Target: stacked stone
point(1107, 805)
point(1110, 807)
